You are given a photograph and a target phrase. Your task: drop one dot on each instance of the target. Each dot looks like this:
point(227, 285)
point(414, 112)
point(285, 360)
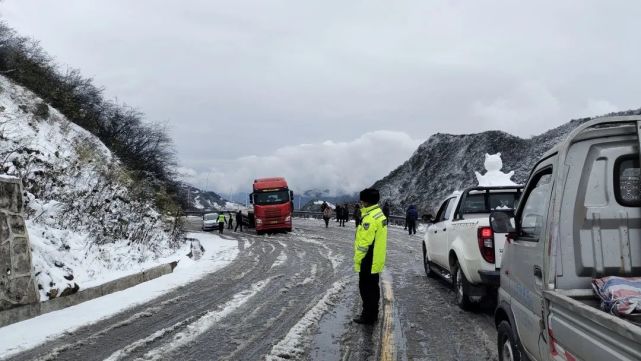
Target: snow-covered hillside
point(446, 162)
point(207, 200)
point(86, 217)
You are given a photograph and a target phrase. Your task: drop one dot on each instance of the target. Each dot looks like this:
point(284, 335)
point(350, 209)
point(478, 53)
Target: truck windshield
point(487, 202)
point(276, 197)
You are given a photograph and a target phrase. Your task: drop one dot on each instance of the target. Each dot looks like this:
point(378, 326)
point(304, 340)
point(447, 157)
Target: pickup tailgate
point(588, 333)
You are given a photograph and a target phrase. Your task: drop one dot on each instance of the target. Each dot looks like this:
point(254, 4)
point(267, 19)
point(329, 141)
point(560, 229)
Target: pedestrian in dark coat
point(239, 221)
point(339, 211)
point(411, 216)
point(230, 222)
point(357, 215)
point(386, 209)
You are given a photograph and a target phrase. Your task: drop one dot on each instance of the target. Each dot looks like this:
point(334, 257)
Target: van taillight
point(486, 243)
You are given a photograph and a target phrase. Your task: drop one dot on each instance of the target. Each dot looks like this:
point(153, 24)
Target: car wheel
point(507, 343)
point(461, 284)
point(429, 272)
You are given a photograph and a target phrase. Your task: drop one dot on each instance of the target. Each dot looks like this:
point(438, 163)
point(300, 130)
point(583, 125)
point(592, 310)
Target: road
point(288, 297)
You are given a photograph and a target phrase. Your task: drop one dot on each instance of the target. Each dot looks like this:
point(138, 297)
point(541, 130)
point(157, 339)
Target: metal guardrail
point(394, 219)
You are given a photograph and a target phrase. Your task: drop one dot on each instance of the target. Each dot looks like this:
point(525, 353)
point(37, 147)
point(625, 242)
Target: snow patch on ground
point(27, 334)
point(292, 347)
point(194, 327)
point(282, 258)
point(335, 259)
point(312, 276)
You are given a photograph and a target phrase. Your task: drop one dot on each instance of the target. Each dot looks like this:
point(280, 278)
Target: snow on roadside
point(292, 346)
point(29, 333)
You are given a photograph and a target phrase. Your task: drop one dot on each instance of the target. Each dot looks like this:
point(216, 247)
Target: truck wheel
point(427, 264)
point(461, 284)
point(507, 343)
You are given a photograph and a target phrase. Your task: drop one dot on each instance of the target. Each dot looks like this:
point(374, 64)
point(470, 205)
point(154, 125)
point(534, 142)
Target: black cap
point(370, 195)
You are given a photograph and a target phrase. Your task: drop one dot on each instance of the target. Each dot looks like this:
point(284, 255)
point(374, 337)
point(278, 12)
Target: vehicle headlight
point(288, 219)
point(259, 221)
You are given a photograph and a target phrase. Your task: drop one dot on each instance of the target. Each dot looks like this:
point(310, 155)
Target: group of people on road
point(342, 214)
point(230, 221)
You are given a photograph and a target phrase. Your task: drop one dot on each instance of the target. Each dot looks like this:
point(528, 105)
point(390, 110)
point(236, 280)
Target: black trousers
point(370, 294)
point(239, 224)
point(411, 227)
point(221, 226)
point(230, 225)
point(326, 221)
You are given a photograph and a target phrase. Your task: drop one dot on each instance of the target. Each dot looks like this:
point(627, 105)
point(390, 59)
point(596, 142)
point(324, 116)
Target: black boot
point(365, 320)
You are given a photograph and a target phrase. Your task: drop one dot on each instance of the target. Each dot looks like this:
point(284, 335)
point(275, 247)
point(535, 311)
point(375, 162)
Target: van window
point(536, 204)
point(627, 181)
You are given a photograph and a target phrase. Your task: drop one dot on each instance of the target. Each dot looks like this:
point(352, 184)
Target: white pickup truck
point(461, 243)
point(579, 219)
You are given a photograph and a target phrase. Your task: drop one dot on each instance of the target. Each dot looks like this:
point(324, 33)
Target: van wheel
point(461, 286)
point(507, 343)
point(429, 272)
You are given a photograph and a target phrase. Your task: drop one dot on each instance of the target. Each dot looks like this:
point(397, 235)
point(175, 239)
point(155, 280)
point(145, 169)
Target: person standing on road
point(386, 209)
point(357, 214)
point(327, 214)
point(411, 216)
point(221, 222)
point(341, 215)
point(370, 245)
point(339, 211)
point(239, 221)
point(230, 223)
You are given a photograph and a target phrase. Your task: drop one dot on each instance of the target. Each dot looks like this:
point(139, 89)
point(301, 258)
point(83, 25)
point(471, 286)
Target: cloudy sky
point(335, 94)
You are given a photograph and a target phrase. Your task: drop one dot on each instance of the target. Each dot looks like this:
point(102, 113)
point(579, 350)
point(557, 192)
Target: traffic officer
point(221, 222)
point(370, 246)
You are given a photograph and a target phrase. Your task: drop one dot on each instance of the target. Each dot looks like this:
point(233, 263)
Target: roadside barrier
point(32, 310)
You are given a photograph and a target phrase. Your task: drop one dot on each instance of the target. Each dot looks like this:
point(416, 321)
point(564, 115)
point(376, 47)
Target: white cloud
point(341, 167)
point(521, 110)
point(599, 107)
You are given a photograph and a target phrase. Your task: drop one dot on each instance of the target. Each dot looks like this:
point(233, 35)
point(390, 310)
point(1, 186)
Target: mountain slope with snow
point(85, 215)
point(446, 163)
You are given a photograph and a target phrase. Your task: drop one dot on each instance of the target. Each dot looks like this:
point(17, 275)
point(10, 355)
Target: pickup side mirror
point(503, 222)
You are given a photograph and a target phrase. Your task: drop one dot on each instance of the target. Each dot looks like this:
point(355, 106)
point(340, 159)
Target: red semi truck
point(273, 205)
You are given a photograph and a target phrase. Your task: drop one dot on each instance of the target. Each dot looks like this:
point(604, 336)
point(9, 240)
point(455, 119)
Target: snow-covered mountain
point(445, 163)
point(207, 200)
point(86, 217)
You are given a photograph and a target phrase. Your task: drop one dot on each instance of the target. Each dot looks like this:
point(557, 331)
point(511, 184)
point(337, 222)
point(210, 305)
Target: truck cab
point(579, 219)
point(273, 205)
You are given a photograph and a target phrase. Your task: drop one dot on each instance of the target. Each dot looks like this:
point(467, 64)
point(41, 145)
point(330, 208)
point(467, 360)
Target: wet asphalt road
point(290, 297)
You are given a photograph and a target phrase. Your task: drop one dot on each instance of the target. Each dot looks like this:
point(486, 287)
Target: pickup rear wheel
point(429, 272)
point(461, 286)
point(507, 343)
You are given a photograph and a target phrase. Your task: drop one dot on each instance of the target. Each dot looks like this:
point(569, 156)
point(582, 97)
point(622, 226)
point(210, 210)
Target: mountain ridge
point(446, 162)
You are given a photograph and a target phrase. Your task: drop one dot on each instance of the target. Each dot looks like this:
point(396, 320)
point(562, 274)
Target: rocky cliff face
point(446, 162)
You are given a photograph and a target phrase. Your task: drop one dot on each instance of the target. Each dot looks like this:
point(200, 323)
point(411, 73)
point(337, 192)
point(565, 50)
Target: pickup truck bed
point(577, 311)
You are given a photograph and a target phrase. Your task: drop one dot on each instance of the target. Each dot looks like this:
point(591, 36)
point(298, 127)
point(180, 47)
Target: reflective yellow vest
point(221, 218)
point(371, 231)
